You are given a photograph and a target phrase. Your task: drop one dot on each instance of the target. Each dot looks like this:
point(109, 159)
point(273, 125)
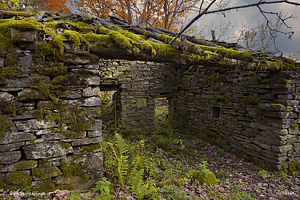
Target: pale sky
point(251, 16)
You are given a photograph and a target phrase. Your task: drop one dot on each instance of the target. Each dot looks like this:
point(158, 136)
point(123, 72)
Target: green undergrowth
point(136, 159)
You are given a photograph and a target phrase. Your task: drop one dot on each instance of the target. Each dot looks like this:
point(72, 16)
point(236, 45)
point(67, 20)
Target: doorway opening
point(161, 113)
point(109, 104)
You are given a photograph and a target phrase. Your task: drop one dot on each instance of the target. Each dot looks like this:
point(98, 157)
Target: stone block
point(252, 147)
point(60, 180)
point(293, 103)
point(71, 95)
point(23, 165)
point(25, 61)
point(92, 101)
point(94, 80)
point(7, 158)
point(86, 141)
point(285, 96)
point(141, 103)
point(46, 150)
point(15, 137)
point(24, 36)
point(280, 115)
point(6, 97)
point(94, 67)
point(45, 173)
point(11, 147)
point(20, 82)
point(83, 186)
point(94, 133)
point(282, 149)
point(1, 62)
point(26, 125)
point(286, 90)
point(77, 59)
point(293, 131)
point(97, 126)
point(271, 139)
point(89, 92)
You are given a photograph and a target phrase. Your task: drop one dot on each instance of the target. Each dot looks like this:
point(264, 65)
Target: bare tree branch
point(205, 11)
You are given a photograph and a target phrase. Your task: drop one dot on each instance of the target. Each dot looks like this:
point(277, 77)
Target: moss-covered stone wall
point(252, 114)
point(50, 127)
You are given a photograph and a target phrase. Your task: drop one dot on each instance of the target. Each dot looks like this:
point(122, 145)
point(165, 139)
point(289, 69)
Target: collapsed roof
point(113, 38)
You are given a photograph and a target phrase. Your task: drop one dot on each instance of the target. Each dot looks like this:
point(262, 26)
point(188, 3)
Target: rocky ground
point(239, 179)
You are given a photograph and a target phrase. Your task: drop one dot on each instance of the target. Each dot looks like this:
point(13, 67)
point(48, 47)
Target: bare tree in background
point(204, 8)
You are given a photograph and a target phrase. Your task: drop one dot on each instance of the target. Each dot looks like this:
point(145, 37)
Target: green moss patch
point(90, 148)
point(91, 37)
point(252, 100)
point(229, 53)
point(5, 124)
point(43, 173)
point(9, 14)
point(19, 179)
point(45, 186)
point(75, 168)
point(24, 164)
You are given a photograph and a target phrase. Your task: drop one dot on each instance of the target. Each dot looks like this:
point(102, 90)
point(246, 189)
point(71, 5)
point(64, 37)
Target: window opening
point(216, 112)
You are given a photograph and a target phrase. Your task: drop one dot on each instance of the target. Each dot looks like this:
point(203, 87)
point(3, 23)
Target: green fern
point(203, 175)
point(137, 180)
point(147, 191)
point(122, 159)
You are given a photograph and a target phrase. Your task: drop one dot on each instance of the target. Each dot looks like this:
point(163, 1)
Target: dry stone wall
point(139, 83)
point(252, 114)
point(50, 132)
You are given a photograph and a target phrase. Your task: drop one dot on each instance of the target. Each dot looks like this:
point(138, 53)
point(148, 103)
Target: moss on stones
point(45, 172)
point(19, 179)
point(90, 148)
point(45, 186)
point(91, 37)
point(164, 50)
point(75, 168)
point(148, 48)
point(252, 100)
point(74, 37)
point(103, 30)
point(51, 69)
point(24, 164)
point(9, 14)
point(229, 53)
point(121, 39)
point(5, 124)
point(284, 64)
point(294, 125)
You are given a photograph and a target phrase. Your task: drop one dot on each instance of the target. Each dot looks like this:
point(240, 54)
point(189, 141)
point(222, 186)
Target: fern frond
point(137, 180)
point(148, 191)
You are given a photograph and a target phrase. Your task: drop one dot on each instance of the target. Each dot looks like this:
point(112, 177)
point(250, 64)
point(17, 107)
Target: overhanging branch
point(205, 11)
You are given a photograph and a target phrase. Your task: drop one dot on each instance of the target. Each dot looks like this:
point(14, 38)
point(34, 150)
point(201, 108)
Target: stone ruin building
point(53, 66)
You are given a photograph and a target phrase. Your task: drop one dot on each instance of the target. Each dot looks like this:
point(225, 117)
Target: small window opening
point(161, 114)
point(216, 112)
